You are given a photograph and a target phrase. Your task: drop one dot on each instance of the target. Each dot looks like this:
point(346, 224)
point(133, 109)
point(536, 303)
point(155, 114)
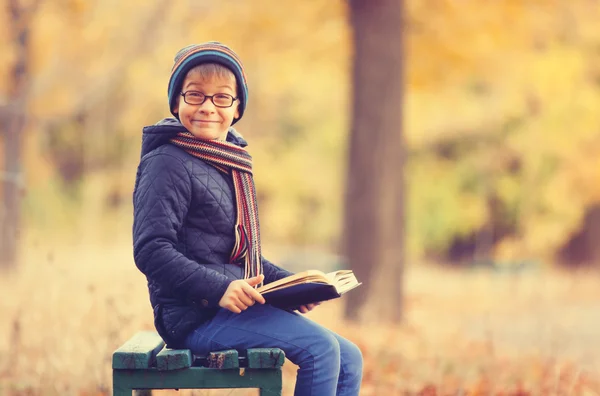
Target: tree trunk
point(13, 122)
point(11, 190)
point(374, 228)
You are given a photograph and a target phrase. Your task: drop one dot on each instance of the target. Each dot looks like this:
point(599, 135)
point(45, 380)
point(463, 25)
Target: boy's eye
point(194, 94)
point(222, 99)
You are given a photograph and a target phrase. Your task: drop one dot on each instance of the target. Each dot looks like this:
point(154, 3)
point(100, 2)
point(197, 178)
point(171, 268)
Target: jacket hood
point(159, 134)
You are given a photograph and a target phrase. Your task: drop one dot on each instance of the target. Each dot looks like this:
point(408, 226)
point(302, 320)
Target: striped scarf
point(230, 158)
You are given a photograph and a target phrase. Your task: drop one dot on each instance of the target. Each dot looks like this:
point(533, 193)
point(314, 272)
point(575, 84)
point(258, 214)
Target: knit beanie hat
point(211, 52)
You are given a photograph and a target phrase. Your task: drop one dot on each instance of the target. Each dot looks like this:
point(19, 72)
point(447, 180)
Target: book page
point(347, 287)
point(334, 276)
point(294, 283)
point(310, 275)
point(345, 281)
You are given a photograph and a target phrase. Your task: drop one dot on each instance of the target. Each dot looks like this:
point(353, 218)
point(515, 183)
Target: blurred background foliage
point(502, 139)
point(501, 117)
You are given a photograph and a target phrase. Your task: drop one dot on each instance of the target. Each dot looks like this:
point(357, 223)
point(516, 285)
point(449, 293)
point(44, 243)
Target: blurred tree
point(374, 238)
point(12, 119)
point(474, 190)
point(66, 90)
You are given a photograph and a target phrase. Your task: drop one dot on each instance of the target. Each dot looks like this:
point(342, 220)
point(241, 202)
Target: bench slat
point(227, 359)
point(139, 352)
point(173, 359)
point(200, 378)
point(265, 358)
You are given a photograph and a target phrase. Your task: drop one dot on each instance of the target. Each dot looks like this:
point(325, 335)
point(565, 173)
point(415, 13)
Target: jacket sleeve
point(161, 200)
point(273, 272)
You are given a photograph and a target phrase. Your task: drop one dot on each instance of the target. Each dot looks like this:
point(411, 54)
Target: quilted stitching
point(184, 216)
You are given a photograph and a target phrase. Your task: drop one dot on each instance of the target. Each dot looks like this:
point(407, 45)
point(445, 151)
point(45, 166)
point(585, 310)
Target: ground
point(477, 332)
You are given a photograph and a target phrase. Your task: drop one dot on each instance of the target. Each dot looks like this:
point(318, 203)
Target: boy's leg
point(312, 347)
point(351, 368)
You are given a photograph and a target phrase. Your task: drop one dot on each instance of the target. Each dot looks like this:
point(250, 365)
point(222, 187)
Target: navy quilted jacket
point(184, 217)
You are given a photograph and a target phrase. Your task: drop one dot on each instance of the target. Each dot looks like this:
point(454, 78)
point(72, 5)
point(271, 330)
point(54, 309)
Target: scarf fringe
point(229, 158)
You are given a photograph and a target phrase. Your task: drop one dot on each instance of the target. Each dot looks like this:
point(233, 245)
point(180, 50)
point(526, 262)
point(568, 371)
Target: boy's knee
point(355, 353)
point(324, 348)
point(353, 362)
point(327, 346)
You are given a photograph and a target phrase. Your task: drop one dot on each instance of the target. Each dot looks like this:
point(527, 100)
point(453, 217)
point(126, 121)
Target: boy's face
point(207, 121)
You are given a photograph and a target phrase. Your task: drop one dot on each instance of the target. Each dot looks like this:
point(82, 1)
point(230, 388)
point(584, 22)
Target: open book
point(308, 287)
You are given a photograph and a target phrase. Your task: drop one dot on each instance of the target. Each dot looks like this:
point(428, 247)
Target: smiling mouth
point(205, 121)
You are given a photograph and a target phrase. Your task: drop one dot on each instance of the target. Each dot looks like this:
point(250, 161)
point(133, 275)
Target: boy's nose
point(207, 106)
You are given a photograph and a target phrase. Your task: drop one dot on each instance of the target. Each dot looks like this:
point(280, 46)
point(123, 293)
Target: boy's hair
point(212, 52)
point(208, 71)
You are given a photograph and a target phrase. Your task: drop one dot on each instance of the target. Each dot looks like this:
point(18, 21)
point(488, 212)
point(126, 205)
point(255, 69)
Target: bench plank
point(173, 359)
point(260, 358)
point(227, 359)
point(198, 378)
point(139, 352)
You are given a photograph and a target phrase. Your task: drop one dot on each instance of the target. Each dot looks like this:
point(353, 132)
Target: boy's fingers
point(259, 298)
point(255, 280)
point(233, 308)
point(239, 305)
point(245, 299)
point(306, 308)
point(254, 295)
point(251, 291)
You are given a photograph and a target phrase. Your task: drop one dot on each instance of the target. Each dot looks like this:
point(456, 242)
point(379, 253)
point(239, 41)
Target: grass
point(69, 305)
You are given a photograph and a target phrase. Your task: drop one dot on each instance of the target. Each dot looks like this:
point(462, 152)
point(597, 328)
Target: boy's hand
point(241, 294)
point(308, 307)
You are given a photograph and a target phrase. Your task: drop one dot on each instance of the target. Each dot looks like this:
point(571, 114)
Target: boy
point(196, 235)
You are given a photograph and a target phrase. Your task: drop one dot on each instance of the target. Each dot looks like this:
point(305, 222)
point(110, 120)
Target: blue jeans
point(328, 364)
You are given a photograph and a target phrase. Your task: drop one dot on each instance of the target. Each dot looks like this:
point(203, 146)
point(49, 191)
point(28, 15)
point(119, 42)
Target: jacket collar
point(159, 134)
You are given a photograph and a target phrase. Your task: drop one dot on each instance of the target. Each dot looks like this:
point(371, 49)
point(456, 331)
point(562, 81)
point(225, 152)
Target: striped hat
point(211, 52)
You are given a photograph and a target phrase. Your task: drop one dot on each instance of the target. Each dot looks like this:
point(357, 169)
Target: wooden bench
point(144, 362)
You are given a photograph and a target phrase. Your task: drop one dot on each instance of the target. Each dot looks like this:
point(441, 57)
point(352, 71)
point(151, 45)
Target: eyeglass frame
point(233, 99)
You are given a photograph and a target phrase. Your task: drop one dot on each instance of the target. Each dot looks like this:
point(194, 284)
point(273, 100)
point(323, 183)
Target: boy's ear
point(176, 105)
point(236, 115)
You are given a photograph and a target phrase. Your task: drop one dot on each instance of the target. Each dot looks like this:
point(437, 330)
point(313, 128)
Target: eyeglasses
point(197, 98)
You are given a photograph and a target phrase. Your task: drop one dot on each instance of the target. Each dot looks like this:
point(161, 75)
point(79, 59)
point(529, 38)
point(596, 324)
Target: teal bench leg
point(270, 391)
point(119, 388)
point(274, 386)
